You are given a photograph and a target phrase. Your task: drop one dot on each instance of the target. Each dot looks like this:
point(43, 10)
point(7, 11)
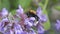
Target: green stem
point(47, 24)
point(46, 2)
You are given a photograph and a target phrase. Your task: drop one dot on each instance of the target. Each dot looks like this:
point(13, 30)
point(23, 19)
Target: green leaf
point(47, 24)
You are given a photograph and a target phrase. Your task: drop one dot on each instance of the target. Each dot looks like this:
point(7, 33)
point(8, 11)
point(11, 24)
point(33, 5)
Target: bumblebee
point(32, 13)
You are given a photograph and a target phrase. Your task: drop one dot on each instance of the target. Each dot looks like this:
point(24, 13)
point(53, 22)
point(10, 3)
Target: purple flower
point(4, 22)
point(20, 10)
point(39, 11)
point(24, 32)
point(40, 15)
point(43, 18)
point(8, 32)
point(57, 25)
point(11, 32)
point(30, 21)
point(32, 18)
point(2, 30)
point(40, 30)
point(20, 13)
point(4, 12)
point(17, 29)
point(32, 32)
point(18, 32)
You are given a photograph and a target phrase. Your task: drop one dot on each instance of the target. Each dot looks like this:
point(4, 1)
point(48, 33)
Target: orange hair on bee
point(32, 11)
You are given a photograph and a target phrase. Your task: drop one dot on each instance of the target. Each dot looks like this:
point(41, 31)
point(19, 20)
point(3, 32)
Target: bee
point(32, 13)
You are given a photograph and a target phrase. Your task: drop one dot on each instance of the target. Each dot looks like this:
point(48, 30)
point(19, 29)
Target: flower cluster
point(20, 23)
point(57, 24)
